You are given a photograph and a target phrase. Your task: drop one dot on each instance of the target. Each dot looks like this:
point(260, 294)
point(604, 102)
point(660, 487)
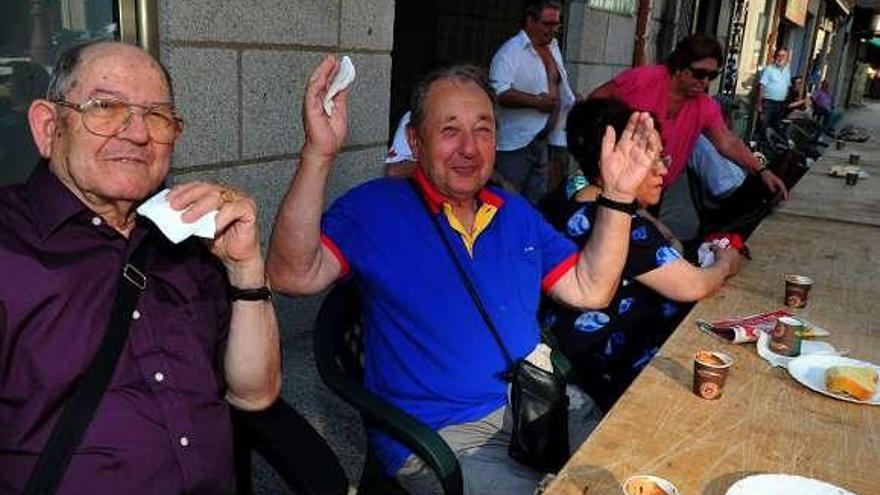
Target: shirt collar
point(435, 198)
point(51, 201)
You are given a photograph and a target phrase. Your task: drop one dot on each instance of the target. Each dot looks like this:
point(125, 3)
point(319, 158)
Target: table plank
point(766, 421)
point(819, 195)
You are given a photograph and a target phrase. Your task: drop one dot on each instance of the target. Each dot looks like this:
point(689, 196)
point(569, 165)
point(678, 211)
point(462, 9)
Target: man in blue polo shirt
point(427, 349)
point(773, 88)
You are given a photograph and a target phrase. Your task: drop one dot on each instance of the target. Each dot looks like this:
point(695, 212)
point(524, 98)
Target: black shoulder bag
point(538, 401)
point(79, 410)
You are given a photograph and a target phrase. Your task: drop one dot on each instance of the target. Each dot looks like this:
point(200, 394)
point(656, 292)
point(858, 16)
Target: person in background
point(675, 93)
point(608, 347)
point(797, 101)
point(823, 107)
point(772, 89)
point(399, 161)
point(534, 95)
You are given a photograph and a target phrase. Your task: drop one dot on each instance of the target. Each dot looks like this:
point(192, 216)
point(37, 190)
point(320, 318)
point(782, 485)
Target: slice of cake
point(858, 382)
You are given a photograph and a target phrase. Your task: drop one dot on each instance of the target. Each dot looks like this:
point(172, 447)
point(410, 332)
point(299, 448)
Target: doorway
point(432, 33)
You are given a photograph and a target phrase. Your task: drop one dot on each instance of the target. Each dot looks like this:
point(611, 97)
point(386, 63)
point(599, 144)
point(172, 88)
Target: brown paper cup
point(786, 337)
point(797, 290)
point(646, 484)
point(710, 373)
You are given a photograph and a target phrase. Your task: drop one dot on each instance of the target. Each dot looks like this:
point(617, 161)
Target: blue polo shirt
point(427, 349)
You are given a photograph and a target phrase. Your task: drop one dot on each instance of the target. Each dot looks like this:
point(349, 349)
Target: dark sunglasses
point(706, 74)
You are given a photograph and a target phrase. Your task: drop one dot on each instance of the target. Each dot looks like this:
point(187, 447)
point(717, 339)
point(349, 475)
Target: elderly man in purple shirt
point(106, 132)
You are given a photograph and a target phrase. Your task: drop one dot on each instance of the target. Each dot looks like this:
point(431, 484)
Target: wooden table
point(766, 422)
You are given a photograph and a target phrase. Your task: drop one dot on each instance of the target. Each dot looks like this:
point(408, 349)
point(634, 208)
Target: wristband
point(629, 208)
point(256, 294)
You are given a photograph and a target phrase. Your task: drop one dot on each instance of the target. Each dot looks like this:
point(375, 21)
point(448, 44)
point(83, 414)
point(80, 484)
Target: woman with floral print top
point(609, 347)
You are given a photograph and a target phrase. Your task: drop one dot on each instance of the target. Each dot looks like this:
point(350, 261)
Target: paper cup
point(646, 484)
point(852, 178)
point(797, 290)
point(710, 373)
point(786, 337)
point(840, 144)
point(854, 158)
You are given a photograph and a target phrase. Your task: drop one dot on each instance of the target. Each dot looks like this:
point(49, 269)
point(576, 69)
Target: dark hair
point(64, 71)
point(458, 73)
point(533, 8)
point(695, 47)
point(585, 128)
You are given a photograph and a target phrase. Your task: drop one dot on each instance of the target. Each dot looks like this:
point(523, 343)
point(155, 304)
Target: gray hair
point(64, 71)
point(457, 73)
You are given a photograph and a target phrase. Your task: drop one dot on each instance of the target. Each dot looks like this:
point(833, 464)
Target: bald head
point(65, 73)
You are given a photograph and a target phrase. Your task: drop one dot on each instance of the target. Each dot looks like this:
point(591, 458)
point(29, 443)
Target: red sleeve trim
point(556, 273)
point(328, 242)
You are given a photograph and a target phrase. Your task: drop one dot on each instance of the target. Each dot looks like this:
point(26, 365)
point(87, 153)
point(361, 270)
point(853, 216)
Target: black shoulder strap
point(81, 406)
point(469, 285)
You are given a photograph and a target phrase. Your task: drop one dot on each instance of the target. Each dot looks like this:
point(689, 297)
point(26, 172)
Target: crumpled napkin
point(344, 77)
point(158, 209)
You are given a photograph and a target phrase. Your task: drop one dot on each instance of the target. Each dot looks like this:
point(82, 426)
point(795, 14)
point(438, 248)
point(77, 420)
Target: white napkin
point(705, 255)
point(344, 77)
point(158, 209)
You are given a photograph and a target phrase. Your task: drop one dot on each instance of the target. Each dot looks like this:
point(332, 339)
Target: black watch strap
point(629, 208)
point(257, 294)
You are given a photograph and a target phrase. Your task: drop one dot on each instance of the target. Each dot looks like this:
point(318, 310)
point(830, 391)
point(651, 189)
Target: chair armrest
point(414, 434)
point(298, 453)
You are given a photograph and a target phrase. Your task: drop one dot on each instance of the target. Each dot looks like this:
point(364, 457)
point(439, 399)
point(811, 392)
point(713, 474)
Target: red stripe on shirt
point(556, 273)
point(343, 263)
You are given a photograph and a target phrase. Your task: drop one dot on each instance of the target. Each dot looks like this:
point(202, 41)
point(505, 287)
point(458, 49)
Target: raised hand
point(324, 134)
point(625, 163)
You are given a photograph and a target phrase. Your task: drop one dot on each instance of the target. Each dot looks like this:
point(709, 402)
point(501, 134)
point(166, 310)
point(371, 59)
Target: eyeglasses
point(665, 160)
point(109, 117)
point(704, 74)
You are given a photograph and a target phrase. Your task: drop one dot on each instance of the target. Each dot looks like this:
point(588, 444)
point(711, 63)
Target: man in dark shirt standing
point(106, 131)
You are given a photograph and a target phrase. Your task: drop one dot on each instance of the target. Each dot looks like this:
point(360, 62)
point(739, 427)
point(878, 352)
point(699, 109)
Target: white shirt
point(399, 150)
point(517, 65)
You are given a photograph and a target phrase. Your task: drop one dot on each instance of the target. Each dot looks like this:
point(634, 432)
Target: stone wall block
point(620, 42)
point(273, 84)
point(304, 22)
point(369, 99)
point(205, 82)
point(367, 24)
point(594, 37)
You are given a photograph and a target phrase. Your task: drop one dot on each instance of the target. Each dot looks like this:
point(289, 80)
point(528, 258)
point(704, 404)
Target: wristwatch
point(629, 208)
point(263, 293)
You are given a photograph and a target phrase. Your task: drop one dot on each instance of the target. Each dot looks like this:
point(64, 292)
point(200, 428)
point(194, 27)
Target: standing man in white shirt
point(773, 88)
point(529, 77)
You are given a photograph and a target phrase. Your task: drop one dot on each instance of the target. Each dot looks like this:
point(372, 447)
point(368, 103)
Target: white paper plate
point(808, 347)
point(810, 371)
point(783, 484)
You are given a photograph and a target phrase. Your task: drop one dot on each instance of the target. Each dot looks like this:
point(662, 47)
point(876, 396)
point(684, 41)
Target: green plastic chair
point(339, 353)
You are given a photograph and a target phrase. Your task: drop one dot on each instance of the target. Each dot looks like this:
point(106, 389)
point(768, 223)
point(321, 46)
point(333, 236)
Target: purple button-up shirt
point(163, 425)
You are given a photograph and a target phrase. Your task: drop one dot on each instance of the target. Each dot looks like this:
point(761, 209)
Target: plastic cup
point(710, 373)
point(797, 290)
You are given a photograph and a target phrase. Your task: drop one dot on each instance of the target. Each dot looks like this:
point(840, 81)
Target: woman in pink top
point(676, 94)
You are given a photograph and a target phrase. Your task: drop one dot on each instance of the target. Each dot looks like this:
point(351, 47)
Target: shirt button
point(159, 376)
point(97, 221)
point(184, 441)
point(136, 315)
